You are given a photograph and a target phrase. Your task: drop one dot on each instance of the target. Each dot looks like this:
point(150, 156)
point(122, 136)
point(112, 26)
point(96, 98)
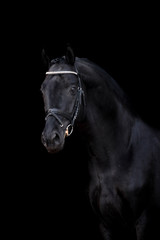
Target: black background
point(46, 195)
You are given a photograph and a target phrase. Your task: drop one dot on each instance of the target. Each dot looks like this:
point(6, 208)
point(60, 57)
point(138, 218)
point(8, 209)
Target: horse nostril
point(52, 140)
point(55, 137)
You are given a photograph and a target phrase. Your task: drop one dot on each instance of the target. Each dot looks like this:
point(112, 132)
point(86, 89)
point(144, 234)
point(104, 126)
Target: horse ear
point(70, 57)
point(45, 59)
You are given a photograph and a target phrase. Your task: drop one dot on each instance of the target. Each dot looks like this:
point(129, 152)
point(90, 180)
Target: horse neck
point(108, 124)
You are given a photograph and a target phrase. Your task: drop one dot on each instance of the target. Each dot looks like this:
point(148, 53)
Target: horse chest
point(110, 201)
point(103, 196)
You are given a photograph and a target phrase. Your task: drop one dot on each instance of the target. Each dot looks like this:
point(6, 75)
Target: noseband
point(56, 112)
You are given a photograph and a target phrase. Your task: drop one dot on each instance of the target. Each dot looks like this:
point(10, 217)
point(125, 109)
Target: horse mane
point(112, 85)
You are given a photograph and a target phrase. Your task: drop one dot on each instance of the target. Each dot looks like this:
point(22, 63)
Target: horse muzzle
point(53, 142)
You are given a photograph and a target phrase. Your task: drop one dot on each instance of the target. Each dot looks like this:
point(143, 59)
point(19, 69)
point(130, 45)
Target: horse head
point(62, 94)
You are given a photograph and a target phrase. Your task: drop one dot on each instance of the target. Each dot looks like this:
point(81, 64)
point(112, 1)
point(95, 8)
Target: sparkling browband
point(61, 72)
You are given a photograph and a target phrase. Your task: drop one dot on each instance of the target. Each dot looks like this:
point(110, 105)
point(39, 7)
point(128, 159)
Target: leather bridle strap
point(55, 112)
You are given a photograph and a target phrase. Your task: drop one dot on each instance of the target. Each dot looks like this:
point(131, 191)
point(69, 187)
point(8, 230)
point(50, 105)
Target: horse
point(123, 150)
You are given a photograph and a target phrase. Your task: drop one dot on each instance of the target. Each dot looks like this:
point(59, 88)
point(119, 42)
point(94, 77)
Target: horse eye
point(73, 90)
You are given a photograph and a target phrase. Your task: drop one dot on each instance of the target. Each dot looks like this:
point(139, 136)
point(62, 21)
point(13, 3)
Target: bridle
point(55, 112)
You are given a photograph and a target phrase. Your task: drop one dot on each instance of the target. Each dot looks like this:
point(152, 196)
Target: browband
point(61, 72)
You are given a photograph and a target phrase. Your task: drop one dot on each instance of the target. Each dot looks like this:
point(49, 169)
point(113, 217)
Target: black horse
point(124, 151)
